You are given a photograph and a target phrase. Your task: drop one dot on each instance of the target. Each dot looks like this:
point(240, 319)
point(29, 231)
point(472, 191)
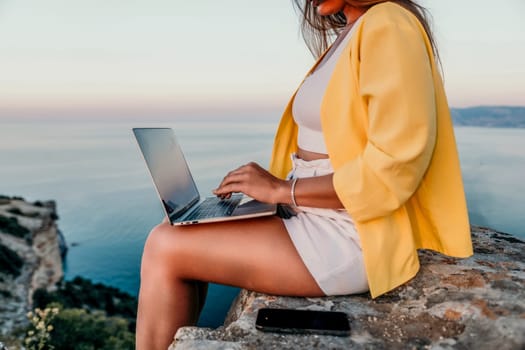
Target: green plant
point(82, 329)
point(4, 199)
point(39, 332)
point(92, 315)
point(17, 211)
point(81, 292)
point(10, 262)
point(11, 226)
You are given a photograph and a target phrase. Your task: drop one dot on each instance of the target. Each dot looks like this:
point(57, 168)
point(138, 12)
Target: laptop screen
point(168, 169)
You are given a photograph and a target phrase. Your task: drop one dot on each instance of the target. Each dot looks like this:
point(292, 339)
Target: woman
point(364, 154)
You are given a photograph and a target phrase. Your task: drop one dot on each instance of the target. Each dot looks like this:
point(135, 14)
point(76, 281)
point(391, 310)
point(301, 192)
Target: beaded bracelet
point(292, 192)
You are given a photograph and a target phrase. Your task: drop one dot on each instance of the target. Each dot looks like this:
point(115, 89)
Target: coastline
point(32, 251)
point(30, 232)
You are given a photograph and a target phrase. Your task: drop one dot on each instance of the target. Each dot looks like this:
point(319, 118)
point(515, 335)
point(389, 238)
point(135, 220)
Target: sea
point(107, 204)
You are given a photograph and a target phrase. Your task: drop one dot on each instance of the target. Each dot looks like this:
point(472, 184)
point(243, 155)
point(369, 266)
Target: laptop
point(177, 190)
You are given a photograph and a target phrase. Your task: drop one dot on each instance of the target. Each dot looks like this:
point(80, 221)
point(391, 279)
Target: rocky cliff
point(475, 303)
point(490, 116)
point(31, 250)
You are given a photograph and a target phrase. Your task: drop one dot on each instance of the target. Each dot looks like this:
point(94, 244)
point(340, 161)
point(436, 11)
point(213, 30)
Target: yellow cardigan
point(390, 140)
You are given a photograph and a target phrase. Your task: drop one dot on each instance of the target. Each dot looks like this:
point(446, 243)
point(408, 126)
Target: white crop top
point(306, 108)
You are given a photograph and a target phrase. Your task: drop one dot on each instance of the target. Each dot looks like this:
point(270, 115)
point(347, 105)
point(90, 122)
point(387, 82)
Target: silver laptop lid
point(168, 168)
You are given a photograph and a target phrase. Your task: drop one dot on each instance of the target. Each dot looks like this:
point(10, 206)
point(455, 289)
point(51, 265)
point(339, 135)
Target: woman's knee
point(157, 238)
point(160, 249)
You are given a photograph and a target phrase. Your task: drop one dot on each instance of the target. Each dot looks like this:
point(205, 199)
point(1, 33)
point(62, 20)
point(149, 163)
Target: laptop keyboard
point(215, 207)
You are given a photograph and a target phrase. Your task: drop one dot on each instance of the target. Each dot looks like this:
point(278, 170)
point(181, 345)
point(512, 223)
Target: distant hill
point(490, 116)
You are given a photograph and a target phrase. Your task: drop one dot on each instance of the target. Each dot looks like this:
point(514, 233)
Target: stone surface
point(474, 303)
point(41, 255)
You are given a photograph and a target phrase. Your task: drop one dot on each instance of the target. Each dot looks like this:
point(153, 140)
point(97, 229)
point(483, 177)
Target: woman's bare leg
point(253, 254)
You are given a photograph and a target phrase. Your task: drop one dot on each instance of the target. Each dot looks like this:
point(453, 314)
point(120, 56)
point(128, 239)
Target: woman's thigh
point(256, 254)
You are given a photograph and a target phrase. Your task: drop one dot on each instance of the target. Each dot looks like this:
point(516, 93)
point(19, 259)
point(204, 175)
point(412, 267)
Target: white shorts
point(326, 239)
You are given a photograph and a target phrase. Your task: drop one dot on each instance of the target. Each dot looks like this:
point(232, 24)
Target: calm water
point(107, 204)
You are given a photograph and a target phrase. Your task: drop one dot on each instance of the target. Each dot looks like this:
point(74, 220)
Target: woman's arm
point(254, 181)
point(397, 85)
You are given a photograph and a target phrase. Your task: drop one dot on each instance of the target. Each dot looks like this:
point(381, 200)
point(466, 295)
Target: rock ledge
point(474, 303)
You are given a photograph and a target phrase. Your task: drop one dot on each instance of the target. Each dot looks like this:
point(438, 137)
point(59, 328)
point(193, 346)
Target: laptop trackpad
point(249, 206)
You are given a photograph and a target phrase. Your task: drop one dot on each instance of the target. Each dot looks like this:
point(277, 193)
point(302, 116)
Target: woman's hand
point(254, 181)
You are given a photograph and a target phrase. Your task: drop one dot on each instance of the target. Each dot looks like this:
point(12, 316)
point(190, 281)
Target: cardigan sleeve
point(396, 85)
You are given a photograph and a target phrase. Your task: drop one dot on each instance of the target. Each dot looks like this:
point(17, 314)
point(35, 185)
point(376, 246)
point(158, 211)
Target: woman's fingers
point(239, 175)
point(236, 180)
point(232, 184)
point(250, 179)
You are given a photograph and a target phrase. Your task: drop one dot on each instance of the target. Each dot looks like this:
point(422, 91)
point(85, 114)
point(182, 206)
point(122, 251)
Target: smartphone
point(303, 321)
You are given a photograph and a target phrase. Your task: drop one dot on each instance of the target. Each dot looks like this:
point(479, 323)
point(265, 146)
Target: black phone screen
point(303, 321)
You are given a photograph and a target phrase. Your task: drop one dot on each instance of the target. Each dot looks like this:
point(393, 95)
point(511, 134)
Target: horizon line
point(114, 113)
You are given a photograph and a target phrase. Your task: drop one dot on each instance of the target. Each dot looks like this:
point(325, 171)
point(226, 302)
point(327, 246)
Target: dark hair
point(318, 31)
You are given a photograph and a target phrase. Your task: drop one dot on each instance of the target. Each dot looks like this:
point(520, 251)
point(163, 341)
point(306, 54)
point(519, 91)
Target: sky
point(119, 58)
